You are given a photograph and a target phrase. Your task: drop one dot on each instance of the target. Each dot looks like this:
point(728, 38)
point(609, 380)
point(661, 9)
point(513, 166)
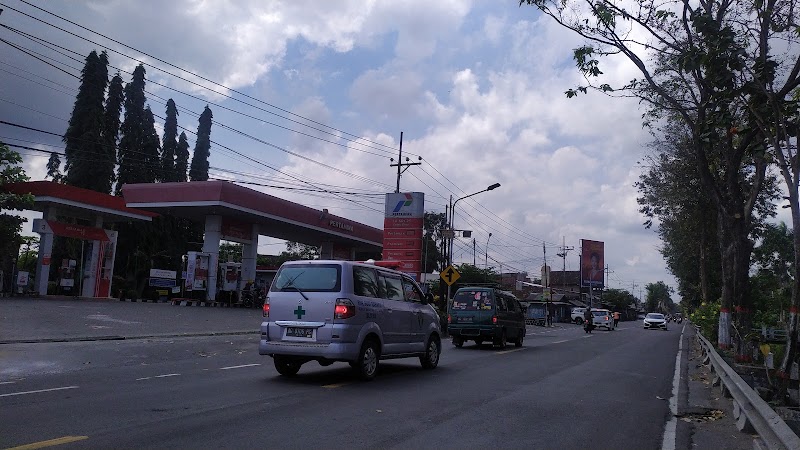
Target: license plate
point(464, 319)
point(299, 332)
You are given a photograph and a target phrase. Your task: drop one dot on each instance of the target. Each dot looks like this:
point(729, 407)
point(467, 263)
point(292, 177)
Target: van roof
point(342, 263)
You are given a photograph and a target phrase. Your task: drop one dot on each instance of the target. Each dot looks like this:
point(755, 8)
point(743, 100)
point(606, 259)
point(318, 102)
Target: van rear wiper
point(290, 284)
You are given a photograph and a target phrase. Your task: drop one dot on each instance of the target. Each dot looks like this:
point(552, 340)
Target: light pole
point(450, 225)
point(486, 260)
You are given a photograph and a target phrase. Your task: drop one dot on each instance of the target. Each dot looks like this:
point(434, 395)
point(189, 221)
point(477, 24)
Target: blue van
point(484, 314)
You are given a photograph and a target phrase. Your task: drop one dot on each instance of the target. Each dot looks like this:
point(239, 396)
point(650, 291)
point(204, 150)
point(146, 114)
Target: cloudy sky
point(320, 91)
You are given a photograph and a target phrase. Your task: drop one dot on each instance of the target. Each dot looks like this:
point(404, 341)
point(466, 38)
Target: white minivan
point(359, 313)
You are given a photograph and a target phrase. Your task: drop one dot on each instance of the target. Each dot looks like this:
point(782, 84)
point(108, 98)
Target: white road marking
point(159, 376)
point(671, 427)
point(239, 367)
point(558, 342)
point(7, 382)
point(38, 391)
point(509, 351)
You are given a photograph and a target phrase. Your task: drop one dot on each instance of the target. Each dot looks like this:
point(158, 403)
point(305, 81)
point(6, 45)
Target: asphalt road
point(563, 389)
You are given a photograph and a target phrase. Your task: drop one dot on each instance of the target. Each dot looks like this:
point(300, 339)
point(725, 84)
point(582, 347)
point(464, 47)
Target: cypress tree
point(110, 134)
point(202, 148)
point(182, 158)
point(83, 146)
point(134, 133)
point(151, 170)
point(170, 145)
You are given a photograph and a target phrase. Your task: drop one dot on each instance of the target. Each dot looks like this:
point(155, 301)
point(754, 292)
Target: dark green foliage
point(202, 148)
point(170, 144)
point(182, 158)
point(619, 299)
point(86, 159)
point(54, 168)
point(10, 224)
point(135, 133)
point(433, 242)
point(110, 135)
point(151, 150)
point(659, 298)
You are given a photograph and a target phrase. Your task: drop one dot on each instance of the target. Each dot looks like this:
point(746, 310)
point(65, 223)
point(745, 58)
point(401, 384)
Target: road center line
point(558, 342)
point(509, 351)
point(38, 391)
point(334, 385)
point(7, 382)
point(50, 443)
point(158, 376)
point(239, 367)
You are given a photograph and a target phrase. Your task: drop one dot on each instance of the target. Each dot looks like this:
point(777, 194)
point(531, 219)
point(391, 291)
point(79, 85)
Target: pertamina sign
point(402, 230)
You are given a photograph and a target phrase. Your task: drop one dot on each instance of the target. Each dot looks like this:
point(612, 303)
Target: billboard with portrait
point(592, 263)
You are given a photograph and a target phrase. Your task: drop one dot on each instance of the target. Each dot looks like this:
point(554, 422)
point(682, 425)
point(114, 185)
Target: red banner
point(400, 233)
point(403, 255)
point(236, 230)
point(77, 231)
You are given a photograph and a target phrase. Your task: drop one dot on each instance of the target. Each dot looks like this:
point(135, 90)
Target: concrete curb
point(750, 410)
point(143, 300)
point(184, 302)
point(127, 338)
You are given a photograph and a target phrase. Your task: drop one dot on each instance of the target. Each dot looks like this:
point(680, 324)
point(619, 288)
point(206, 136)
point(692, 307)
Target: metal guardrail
point(751, 412)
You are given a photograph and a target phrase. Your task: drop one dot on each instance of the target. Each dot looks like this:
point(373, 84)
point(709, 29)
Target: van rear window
point(472, 300)
point(308, 278)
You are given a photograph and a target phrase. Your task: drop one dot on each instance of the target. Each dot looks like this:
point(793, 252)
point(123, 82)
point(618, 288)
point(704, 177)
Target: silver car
point(359, 313)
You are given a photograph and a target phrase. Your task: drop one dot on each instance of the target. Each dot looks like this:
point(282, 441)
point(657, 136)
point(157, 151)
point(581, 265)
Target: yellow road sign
point(450, 275)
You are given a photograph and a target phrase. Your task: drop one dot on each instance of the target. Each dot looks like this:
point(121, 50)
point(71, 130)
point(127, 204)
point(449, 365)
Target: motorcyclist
point(588, 320)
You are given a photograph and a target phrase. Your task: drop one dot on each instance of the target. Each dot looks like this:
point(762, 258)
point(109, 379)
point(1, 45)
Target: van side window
point(393, 287)
point(365, 282)
point(501, 303)
point(512, 305)
point(412, 294)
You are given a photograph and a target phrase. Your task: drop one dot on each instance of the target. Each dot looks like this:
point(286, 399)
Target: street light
point(450, 224)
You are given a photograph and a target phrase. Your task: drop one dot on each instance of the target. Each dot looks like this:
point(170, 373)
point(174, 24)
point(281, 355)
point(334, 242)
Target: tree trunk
point(790, 355)
point(703, 270)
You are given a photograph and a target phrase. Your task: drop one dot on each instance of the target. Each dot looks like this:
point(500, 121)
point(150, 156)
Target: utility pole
point(563, 255)
point(473, 252)
point(546, 283)
point(402, 165)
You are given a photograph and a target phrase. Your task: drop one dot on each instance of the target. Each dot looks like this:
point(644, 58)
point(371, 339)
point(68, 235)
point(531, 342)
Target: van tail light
point(265, 308)
point(494, 320)
point(449, 319)
point(344, 309)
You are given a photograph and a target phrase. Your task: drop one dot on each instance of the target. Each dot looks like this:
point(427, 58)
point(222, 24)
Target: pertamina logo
point(401, 204)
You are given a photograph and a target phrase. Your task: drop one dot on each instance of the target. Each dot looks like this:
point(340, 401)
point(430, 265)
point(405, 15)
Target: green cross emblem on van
point(299, 312)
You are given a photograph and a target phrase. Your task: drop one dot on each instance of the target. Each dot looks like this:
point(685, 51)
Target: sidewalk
point(61, 319)
point(705, 416)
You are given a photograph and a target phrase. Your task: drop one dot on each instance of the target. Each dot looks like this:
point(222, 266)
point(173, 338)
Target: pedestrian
point(616, 318)
point(588, 319)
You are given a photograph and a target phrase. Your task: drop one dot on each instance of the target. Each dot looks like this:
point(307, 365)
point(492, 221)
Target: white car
point(655, 320)
point(603, 318)
point(577, 315)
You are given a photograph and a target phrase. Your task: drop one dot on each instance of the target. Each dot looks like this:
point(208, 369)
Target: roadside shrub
point(131, 294)
point(706, 316)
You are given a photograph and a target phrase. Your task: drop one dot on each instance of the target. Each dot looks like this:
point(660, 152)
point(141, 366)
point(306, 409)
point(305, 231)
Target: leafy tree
point(86, 159)
point(170, 145)
point(619, 299)
point(434, 242)
point(230, 252)
point(29, 253)
point(10, 224)
point(298, 251)
point(202, 148)
point(710, 65)
point(110, 134)
point(54, 168)
point(659, 298)
point(135, 133)
point(182, 158)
